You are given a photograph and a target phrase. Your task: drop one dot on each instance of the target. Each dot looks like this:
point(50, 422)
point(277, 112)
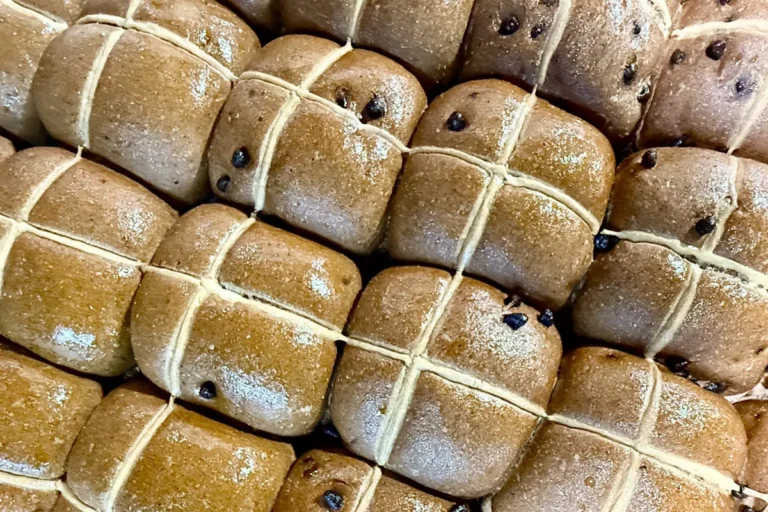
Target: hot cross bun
point(623, 435)
point(754, 414)
point(505, 186)
point(42, 410)
point(686, 281)
point(26, 28)
point(324, 480)
point(74, 237)
point(141, 84)
point(242, 317)
point(425, 35)
point(313, 134)
point(139, 451)
point(443, 379)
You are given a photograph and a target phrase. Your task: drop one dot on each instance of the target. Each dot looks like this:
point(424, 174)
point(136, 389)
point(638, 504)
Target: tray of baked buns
point(383, 255)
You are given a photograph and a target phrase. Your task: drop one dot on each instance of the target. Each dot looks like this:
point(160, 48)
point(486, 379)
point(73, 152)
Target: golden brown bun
point(512, 193)
point(249, 309)
point(753, 414)
point(319, 473)
point(137, 452)
point(688, 281)
point(320, 167)
point(425, 35)
point(436, 386)
point(42, 410)
point(26, 29)
point(621, 431)
point(76, 235)
point(147, 98)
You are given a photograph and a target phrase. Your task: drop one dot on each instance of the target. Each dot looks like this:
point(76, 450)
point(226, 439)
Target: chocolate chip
point(375, 109)
point(241, 158)
point(333, 500)
point(706, 225)
point(745, 508)
point(739, 493)
point(605, 243)
point(516, 320)
point(716, 49)
point(715, 387)
point(629, 73)
point(509, 26)
point(460, 507)
point(456, 122)
point(537, 30)
point(547, 318)
point(637, 28)
point(513, 301)
point(649, 159)
point(683, 142)
point(645, 93)
point(676, 363)
point(725, 2)
point(223, 183)
point(678, 56)
point(341, 97)
point(207, 390)
point(330, 432)
point(744, 87)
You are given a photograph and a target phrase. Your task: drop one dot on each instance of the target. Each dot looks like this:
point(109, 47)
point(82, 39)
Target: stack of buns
point(389, 223)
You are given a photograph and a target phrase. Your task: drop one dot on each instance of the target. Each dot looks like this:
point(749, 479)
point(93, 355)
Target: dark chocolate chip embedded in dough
point(629, 73)
point(241, 158)
point(706, 225)
point(725, 2)
point(375, 109)
point(537, 30)
point(715, 387)
point(456, 122)
point(516, 320)
point(716, 49)
point(341, 97)
point(649, 159)
point(605, 242)
point(678, 56)
point(746, 508)
point(676, 363)
point(637, 28)
point(223, 183)
point(460, 507)
point(683, 142)
point(207, 390)
point(333, 500)
point(509, 26)
point(645, 93)
point(547, 318)
point(744, 87)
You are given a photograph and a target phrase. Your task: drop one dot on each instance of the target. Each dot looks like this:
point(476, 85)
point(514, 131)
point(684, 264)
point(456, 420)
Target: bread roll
point(686, 283)
point(443, 381)
point(323, 480)
point(598, 59)
point(142, 86)
point(139, 452)
point(313, 134)
point(504, 186)
point(425, 35)
point(27, 27)
point(42, 410)
point(73, 237)
point(623, 435)
point(712, 91)
point(754, 413)
point(242, 317)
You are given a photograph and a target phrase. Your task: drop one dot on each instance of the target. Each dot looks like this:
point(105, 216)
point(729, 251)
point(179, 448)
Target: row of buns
point(438, 377)
point(653, 442)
